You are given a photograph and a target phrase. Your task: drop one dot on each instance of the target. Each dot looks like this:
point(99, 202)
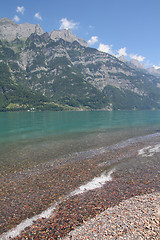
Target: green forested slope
point(39, 73)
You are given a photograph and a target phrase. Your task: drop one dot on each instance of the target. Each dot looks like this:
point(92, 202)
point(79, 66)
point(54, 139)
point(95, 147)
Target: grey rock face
point(9, 30)
point(154, 71)
point(50, 66)
point(67, 36)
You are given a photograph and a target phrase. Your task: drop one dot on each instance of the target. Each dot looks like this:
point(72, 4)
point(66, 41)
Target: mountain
point(59, 71)
point(153, 71)
point(9, 30)
point(67, 36)
point(139, 66)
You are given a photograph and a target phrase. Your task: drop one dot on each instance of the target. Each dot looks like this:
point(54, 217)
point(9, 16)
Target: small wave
point(94, 152)
point(14, 232)
point(95, 183)
point(149, 151)
point(76, 156)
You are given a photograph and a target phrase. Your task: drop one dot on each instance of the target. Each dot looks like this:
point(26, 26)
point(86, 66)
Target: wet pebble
point(27, 194)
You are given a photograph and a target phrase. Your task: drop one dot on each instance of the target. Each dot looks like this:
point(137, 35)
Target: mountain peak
point(67, 35)
point(9, 30)
point(6, 20)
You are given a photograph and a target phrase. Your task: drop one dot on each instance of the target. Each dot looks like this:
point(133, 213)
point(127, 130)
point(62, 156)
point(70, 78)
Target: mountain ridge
point(9, 31)
point(69, 75)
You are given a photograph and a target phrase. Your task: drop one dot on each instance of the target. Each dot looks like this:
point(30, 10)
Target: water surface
point(29, 138)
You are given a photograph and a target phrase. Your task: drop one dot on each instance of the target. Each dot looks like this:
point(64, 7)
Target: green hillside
point(41, 74)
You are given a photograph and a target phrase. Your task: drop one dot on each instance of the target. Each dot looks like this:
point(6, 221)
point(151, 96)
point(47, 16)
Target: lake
point(29, 138)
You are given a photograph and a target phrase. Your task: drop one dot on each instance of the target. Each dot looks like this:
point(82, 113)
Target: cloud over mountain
point(20, 10)
point(93, 40)
point(137, 57)
point(105, 48)
point(122, 52)
point(68, 24)
point(38, 16)
point(16, 18)
point(156, 67)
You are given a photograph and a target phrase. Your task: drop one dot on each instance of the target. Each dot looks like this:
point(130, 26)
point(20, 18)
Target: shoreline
point(78, 209)
point(134, 218)
point(93, 184)
point(75, 174)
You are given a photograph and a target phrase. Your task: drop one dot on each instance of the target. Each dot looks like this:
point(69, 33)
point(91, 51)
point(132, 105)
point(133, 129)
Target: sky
point(129, 28)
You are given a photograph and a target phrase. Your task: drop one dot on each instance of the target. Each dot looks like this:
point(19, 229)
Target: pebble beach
point(122, 208)
point(135, 218)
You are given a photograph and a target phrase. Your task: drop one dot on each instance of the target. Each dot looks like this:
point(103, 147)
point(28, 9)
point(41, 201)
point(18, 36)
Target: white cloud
point(66, 24)
point(91, 27)
point(156, 67)
point(20, 10)
point(105, 48)
point(38, 16)
point(136, 57)
point(121, 52)
point(93, 40)
point(16, 18)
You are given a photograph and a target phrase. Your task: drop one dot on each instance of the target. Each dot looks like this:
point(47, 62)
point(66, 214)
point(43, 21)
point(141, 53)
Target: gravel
point(134, 218)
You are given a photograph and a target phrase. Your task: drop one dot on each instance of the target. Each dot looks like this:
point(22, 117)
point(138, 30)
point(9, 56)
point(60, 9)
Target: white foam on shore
point(14, 232)
point(97, 182)
point(149, 151)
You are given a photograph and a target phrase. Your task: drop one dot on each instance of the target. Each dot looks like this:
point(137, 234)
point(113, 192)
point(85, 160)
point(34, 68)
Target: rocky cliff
point(9, 30)
point(67, 36)
point(63, 70)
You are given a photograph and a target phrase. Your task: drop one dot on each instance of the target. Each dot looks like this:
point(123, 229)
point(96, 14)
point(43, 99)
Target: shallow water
point(30, 138)
point(129, 165)
point(32, 144)
point(95, 183)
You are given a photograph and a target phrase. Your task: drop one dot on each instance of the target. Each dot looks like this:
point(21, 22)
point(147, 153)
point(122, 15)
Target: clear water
point(28, 138)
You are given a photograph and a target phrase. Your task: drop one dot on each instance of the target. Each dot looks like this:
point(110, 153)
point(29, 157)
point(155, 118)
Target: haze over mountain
point(59, 71)
point(136, 64)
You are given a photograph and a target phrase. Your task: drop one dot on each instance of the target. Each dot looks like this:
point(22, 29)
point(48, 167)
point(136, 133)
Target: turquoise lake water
point(36, 137)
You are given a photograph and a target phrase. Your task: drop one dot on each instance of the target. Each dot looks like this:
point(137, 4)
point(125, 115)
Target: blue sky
point(119, 27)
